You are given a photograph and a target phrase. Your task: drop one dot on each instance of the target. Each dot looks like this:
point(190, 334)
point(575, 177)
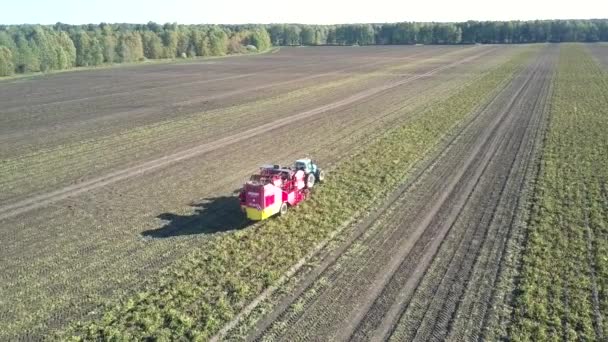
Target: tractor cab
point(306, 165)
point(312, 172)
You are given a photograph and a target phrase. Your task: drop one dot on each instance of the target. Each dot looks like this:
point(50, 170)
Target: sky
point(285, 11)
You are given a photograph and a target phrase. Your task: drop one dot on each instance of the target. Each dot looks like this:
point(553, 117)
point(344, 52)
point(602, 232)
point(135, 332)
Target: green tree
point(45, 49)
point(7, 67)
point(425, 34)
point(292, 35)
point(109, 43)
point(261, 39)
point(183, 41)
point(96, 53)
point(321, 35)
point(331, 36)
point(26, 59)
point(218, 42)
point(67, 49)
point(364, 35)
point(169, 39)
point(154, 27)
point(307, 36)
point(7, 41)
point(152, 45)
point(82, 43)
point(593, 33)
point(237, 41)
point(505, 33)
point(130, 47)
point(199, 41)
point(277, 34)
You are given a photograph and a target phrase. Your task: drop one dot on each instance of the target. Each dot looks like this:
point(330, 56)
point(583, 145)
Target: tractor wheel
point(283, 209)
point(321, 176)
point(310, 181)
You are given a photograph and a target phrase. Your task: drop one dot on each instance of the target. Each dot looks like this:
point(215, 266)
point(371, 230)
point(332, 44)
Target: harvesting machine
point(274, 189)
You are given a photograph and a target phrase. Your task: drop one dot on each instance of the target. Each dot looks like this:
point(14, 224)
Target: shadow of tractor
point(212, 215)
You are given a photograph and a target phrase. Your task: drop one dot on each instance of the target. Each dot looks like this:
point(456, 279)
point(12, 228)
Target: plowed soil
point(600, 52)
point(102, 170)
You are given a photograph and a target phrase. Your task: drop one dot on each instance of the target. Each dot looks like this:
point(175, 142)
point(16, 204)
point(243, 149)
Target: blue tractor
point(312, 171)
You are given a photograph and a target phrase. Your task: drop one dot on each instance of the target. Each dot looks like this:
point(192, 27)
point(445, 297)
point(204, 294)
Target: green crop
point(204, 290)
point(562, 290)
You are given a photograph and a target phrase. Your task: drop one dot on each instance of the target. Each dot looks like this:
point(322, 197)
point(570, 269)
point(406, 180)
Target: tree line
point(470, 32)
point(32, 48)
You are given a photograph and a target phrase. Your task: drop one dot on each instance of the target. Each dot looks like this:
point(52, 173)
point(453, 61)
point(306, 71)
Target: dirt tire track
point(450, 306)
point(294, 80)
point(482, 309)
point(462, 284)
point(478, 236)
point(492, 141)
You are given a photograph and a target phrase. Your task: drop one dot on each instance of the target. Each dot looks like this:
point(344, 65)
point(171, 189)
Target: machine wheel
point(310, 181)
point(283, 209)
point(321, 176)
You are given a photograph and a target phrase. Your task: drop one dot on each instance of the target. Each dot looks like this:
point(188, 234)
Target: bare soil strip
point(468, 289)
point(399, 266)
point(147, 95)
point(290, 81)
point(82, 99)
point(61, 160)
point(600, 52)
point(38, 201)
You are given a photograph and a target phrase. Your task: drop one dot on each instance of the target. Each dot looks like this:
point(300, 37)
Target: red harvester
point(274, 188)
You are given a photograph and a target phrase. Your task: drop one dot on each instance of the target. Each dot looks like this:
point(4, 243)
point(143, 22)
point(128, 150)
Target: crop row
point(208, 287)
point(563, 285)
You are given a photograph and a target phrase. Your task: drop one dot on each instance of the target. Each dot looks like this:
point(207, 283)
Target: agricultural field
point(119, 216)
point(564, 271)
point(426, 266)
point(599, 52)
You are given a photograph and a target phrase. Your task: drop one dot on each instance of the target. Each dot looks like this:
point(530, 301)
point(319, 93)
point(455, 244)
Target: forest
point(35, 48)
point(470, 32)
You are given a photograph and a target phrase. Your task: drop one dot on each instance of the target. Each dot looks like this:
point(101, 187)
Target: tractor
point(274, 188)
point(311, 170)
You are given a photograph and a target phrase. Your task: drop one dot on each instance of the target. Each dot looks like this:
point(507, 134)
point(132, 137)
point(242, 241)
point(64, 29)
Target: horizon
point(314, 12)
point(301, 23)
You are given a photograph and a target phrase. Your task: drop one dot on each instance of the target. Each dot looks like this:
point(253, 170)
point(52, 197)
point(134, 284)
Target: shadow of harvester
point(212, 215)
